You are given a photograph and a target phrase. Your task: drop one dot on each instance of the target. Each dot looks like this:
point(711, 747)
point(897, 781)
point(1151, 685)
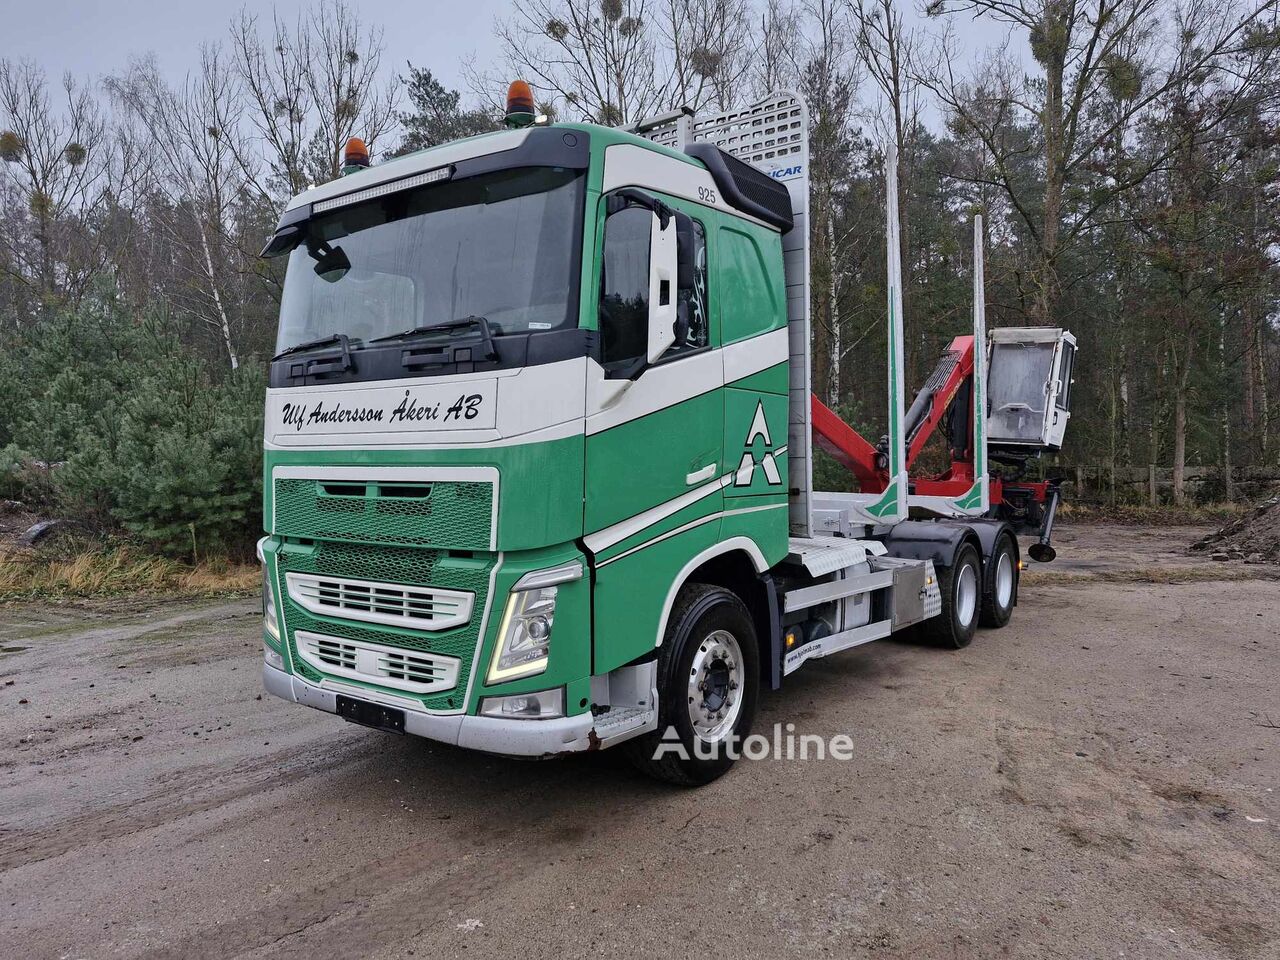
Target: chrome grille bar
point(392, 604)
point(408, 670)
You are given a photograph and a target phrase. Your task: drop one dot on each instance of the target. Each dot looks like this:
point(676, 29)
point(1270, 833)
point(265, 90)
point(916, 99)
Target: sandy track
point(1096, 779)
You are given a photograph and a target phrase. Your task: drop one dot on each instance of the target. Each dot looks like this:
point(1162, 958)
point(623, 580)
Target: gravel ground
point(1094, 780)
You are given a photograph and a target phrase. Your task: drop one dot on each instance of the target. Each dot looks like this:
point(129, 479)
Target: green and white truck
point(538, 447)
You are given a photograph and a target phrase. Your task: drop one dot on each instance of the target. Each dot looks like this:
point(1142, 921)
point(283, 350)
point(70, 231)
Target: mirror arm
point(629, 196)
point(630, 371)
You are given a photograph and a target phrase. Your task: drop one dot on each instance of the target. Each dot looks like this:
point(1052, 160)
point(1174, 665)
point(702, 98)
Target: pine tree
point(437, 116)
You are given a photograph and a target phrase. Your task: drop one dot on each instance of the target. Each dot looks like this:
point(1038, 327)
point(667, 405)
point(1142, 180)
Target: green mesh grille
point(372, 563)
point(452, 514)
point(390, 565)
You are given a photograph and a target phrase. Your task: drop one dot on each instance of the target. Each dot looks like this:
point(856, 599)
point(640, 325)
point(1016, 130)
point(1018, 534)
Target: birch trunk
point(833, 343)
point(222, 320)
point(1183, 366)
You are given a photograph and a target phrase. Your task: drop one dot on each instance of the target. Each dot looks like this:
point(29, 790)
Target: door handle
point(706, 473)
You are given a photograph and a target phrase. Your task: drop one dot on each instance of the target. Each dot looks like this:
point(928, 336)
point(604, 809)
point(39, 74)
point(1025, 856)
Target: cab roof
point(480, 145)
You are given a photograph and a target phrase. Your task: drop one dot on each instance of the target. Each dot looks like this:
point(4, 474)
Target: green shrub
point(137, 430)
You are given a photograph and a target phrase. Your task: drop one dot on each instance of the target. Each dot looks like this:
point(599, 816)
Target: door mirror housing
point(663, 271)
point(641, 311)
point(686, 243)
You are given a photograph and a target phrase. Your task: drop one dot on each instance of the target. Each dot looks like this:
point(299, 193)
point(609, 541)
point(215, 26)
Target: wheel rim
point(1004, 580)
point(716, 686)
point(966, 594)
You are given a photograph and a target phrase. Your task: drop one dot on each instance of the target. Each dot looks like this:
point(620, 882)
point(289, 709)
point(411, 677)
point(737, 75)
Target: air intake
point(745, 187)
point(412, 671)
point(393, 604)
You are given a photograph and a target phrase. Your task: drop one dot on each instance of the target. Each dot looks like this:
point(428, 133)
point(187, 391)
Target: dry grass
point(111, 571)
point(1165, 574)
point(1165, 515)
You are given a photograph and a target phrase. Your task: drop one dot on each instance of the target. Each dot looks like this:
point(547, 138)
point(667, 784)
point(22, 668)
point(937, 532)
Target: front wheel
point(961, 587)
point(997, 600)
point(708, 685)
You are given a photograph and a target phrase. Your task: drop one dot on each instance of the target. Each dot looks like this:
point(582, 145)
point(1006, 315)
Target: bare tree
point(619, 61)
point(274, 77)
point(191, 129)
point(1081, 48)
point(890, 54)
point(592, 58)
point(776, 53)
point(709, 46)
point(309, 89)
point(829, 83)
point(57, 159)
point(348, 93)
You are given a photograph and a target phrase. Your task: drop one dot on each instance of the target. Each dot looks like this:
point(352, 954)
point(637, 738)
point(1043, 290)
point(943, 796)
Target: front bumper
point(521, 738)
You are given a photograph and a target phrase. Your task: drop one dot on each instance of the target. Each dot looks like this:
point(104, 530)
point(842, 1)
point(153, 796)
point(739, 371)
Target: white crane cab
point(1029, 386)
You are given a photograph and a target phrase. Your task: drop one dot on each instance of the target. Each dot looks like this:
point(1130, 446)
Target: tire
point(1002, 589)
point(709, 651)
point(961, 587)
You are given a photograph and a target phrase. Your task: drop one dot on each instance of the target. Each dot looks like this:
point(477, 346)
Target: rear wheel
point(997, 600)
point(708, 683)
point(961, 587)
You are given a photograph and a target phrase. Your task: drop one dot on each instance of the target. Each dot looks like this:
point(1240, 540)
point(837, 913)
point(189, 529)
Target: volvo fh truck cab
point(538, 448)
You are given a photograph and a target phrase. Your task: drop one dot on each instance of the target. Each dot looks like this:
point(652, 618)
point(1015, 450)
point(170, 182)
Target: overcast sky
point(96, 38)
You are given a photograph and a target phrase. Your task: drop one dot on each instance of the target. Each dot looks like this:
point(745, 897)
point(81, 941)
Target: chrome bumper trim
point(521, 738)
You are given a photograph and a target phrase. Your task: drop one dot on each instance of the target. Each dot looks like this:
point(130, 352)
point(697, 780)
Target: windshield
point(503, 246)
point(1015, 390)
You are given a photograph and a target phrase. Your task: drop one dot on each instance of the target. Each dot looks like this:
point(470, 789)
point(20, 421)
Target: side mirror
point(332, 263)
point(663, 271)
point(282, 241)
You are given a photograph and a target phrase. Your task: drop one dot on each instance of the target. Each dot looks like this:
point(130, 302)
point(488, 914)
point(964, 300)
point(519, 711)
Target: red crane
point(944, 402)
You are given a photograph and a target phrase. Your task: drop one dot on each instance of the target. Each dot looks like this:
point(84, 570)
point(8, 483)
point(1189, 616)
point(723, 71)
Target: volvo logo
point(749, 463)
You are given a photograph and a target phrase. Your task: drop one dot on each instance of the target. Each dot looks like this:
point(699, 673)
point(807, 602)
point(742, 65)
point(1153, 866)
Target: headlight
point(526, 635)
point(272, 657)
point(543, 705)
point(524, 640)
point(269, 621)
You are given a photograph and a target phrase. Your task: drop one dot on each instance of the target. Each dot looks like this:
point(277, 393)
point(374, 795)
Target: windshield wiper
point(320, 366)
point(486, 333)
point(341, 338)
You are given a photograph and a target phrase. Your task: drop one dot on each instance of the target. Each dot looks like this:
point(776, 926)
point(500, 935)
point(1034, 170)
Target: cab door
point(753, 328)
point(1029, 376)
point(1060, 387)
point(655, 427)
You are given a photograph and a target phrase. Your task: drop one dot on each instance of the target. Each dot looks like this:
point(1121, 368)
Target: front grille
point(397, 605)
point(411, 568)
point(456, 515)
point(374, 663)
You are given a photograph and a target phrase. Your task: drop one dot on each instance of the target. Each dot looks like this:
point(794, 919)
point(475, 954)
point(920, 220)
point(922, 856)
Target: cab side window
point(624, 286)
point(1068, 362)
point(692, 326)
